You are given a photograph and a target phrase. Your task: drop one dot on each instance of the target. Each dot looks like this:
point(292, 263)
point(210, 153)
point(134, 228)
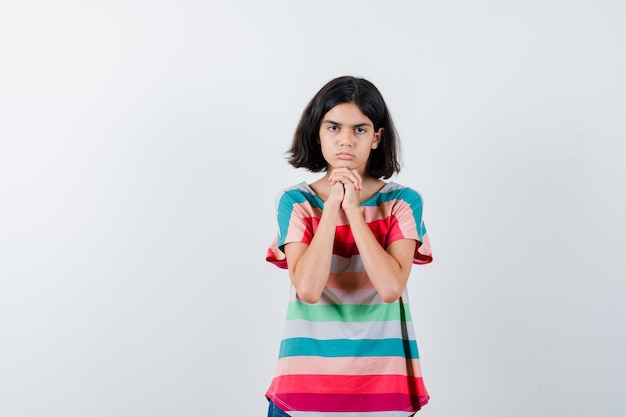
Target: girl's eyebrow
point(330, 122)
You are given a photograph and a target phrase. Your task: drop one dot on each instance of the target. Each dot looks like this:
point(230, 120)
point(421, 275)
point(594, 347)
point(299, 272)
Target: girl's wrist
point(332, 205)
point(352, 211)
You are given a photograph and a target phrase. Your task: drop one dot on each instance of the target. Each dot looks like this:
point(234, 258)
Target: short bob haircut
point(306, 152)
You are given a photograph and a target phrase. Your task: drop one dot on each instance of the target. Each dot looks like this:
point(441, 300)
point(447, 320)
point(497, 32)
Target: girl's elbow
point(309, 297)
point(391, 293)
point(390, 296)
point(308, 293)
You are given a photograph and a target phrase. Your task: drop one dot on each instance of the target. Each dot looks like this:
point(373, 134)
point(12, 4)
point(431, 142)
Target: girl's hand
point(336, 193)
point(351, 183)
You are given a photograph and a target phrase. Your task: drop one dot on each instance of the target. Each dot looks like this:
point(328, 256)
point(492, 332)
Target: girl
point(348, 240)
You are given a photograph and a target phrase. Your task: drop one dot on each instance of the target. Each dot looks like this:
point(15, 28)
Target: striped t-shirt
point(350, 354)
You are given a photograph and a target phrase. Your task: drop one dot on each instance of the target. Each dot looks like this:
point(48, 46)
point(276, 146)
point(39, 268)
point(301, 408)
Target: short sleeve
point(407, 223)
point(275, 255)
point(297, 220)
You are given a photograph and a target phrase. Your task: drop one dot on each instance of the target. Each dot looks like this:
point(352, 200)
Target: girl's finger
point(350, 175)
point(344, 180)
point(359, 180)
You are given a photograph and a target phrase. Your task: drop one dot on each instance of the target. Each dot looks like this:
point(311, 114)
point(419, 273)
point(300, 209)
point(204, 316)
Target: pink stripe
point(350, 403)
point(349, 281)
point(370, 213)
point(391, 365)
point(376, 213)
point(302, 223)
point(347, 385)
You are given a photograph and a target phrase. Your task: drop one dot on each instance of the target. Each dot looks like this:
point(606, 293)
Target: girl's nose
point(345, 138)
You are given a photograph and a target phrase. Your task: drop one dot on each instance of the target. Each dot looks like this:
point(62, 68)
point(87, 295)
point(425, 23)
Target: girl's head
point(305, 151)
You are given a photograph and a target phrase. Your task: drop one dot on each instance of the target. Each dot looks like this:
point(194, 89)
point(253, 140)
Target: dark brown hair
point(305, 151)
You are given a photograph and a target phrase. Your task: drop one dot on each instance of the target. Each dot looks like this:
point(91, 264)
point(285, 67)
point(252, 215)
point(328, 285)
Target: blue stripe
point(301, 346)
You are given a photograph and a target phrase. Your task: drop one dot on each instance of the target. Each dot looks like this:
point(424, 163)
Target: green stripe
point(301, 346)
point(298, 310)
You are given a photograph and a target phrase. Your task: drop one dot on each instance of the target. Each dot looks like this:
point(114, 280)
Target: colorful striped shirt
point(350, 354)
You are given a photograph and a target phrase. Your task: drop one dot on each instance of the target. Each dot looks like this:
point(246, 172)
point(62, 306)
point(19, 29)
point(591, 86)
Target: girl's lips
point(344, 156)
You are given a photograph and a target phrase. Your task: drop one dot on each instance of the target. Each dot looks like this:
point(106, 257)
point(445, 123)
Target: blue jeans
point(274, 411)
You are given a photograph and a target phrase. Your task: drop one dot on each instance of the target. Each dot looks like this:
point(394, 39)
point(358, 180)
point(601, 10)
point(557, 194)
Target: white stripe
point(330, 330)
point(367, 296)
point(341, 265)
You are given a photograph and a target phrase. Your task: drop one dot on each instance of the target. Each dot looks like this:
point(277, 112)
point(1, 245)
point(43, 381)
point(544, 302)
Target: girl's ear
point(378, 135)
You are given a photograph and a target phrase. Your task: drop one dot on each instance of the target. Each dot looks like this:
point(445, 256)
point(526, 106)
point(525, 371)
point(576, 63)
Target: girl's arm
point(389, 269)
point(309, 265)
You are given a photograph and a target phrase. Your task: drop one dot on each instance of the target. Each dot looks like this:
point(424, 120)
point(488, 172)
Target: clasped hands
point(345, 186)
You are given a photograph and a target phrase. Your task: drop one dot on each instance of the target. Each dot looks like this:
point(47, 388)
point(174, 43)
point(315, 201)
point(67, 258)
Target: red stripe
point(346, 384)
point(344, 240)
point(272, 258)
point(419, 258)
point(350, 403)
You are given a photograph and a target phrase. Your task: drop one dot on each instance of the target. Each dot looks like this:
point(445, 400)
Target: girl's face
point(347, 137)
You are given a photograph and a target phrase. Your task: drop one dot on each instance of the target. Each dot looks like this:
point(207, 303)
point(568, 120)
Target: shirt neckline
point(362, 203)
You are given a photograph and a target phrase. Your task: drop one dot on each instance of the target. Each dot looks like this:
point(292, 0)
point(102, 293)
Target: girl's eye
point(360, 130)
point(333, 128)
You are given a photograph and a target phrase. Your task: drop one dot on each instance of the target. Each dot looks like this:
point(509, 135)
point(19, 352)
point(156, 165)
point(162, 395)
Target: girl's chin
point(344, 164)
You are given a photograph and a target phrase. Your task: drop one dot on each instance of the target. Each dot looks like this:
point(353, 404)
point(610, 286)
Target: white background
point(142, 146)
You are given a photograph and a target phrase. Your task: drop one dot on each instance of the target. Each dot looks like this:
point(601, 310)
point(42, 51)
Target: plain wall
point(142, 146)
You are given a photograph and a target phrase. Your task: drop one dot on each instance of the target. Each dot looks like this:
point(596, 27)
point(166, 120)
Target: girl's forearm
point(389, 274)
point(311, 266)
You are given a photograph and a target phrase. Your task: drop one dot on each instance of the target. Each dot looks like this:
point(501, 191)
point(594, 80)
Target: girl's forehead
point(346, 113)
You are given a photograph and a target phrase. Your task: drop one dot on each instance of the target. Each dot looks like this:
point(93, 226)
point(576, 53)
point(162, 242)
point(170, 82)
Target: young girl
point(348, 240)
